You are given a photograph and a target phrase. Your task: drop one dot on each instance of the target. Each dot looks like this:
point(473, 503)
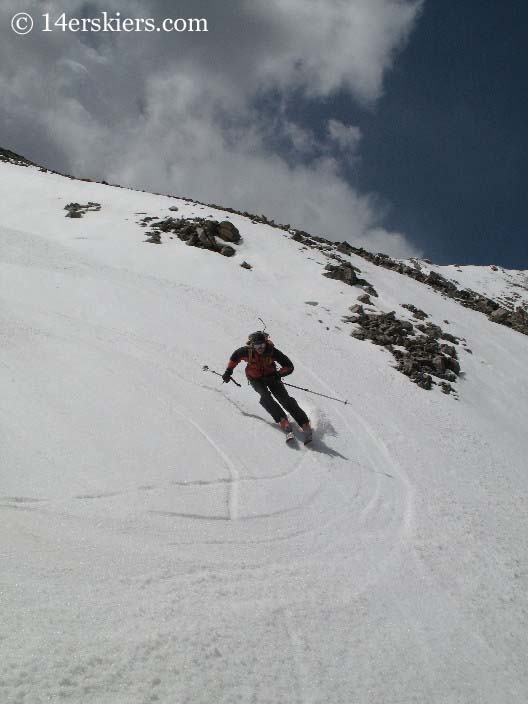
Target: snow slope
point(161, 543)
point(508, 287)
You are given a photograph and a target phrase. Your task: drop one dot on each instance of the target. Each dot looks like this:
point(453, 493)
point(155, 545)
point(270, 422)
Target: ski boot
point(285, 425)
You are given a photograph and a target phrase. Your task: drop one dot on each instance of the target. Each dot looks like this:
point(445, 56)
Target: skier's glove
point(226, 376)
point(284, 371)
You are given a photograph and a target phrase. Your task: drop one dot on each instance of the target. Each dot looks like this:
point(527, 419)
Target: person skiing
point(261, 356)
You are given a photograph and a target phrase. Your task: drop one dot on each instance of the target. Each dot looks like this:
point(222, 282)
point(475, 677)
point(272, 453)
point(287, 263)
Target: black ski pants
point(272, 386)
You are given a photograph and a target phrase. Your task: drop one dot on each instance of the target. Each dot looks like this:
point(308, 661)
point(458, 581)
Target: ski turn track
point(233, 482)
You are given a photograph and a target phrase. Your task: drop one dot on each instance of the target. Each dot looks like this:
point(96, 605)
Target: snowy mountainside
point(506, 286)
point(160, 540)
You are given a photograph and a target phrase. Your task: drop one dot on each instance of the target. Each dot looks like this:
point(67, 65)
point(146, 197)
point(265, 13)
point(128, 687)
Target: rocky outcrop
point(365, 298)
point(516, 318)
point(12, 158)
point(346, 272)
point(421, 351)
point(226, 231)
point(417, 313)
point(75, 210)
point(198, 232)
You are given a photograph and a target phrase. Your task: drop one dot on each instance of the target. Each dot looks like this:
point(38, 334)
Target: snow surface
point(160, 541)
point(506, 286)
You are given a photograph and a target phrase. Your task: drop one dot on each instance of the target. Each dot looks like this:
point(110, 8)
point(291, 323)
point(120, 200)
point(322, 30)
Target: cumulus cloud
point(206, 115)
point(347, 137)
point(325, 46)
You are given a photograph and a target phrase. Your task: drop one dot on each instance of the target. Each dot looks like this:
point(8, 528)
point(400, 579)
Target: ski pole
point(206, 369)
point(315, 392)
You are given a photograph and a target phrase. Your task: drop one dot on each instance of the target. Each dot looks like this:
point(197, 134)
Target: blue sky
point(397, 125)
point(447, 144)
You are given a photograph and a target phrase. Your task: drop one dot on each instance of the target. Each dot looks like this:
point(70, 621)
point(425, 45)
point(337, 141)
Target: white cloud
point(347, 137)
point(396, 244)
point(338, 44)
point(303, 140)
point(177, 114)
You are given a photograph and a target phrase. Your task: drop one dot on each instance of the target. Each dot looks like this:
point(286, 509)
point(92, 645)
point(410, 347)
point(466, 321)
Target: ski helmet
point(257, 338)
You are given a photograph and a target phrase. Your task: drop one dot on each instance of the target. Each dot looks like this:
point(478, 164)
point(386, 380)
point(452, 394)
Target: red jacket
point(261, 364)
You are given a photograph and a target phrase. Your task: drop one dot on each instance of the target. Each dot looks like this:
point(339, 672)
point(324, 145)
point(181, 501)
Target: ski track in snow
point(232, 496)
point(232, 483)
point(381, 455)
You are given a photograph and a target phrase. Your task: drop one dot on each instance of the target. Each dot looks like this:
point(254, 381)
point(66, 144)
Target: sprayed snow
point(161, 543)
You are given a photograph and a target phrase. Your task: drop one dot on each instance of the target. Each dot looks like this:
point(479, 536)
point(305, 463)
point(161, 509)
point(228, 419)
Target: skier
point(261, 371)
